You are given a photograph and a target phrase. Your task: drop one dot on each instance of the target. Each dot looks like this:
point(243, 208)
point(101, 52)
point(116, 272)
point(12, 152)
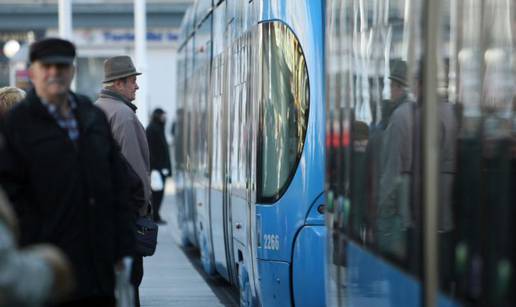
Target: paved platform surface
point(173, 276)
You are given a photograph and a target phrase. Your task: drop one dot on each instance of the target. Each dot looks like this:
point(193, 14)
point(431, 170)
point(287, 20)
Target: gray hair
point(108, 85)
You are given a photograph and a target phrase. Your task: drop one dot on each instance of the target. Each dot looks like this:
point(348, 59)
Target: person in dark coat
point(63, 173)
point(159, 158)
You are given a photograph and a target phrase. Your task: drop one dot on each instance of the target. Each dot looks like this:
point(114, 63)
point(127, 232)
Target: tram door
point(239, 137)
point(218, 139)
point(239, 153)
point(218, 210)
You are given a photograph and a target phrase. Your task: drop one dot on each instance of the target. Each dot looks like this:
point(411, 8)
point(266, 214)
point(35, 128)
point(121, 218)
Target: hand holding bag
point(146, 236)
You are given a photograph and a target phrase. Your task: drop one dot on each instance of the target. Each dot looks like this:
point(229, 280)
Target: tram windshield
point(284, 110)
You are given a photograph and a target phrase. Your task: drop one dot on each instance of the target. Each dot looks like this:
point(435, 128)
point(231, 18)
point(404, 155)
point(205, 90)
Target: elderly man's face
point(127, 87)
point(51, 80)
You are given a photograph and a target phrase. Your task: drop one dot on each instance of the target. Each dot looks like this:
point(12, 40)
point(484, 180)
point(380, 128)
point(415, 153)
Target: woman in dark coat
point(159, 159)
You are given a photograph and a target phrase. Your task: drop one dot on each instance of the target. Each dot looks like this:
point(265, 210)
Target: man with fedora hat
point(395, 214)
point(63, 173)
point(115, 100)
point(398, 82)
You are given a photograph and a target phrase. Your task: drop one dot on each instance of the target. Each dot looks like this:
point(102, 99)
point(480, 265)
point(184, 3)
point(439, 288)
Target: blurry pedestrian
point(62, 170)
point(116, 101)
point(32, 276)
point(9, 96)
point(159, 159)
point(35, 275)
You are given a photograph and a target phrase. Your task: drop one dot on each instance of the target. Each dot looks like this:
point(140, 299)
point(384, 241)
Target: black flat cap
point(52, 51)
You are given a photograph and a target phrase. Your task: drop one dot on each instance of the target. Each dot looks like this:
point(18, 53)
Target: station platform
point(173, 276)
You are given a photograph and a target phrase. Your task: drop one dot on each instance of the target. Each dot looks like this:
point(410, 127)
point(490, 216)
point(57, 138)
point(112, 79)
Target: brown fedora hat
point(118, 67)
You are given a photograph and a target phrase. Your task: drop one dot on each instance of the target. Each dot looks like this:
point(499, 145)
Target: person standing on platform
point(62, 171)
point(116, 101)
point(35, 275)
point(159, 160)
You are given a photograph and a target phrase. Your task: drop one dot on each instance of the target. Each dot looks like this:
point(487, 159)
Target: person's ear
point(117, 84)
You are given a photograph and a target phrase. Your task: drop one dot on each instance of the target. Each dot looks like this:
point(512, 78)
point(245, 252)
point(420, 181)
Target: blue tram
point(250, 146)
point(421, 153)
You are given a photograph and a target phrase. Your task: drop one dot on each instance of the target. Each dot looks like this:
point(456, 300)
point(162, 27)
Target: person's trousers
point(157, 198)
point(136, 278)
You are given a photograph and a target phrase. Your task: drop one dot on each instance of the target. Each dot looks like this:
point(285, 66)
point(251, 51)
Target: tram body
point(250, 146)
point(379, 251)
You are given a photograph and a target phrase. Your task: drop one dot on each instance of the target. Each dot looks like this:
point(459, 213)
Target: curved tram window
point(284, 110)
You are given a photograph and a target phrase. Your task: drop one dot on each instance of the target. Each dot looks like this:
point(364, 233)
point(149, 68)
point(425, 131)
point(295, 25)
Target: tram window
point(284, 110)
point(216, 127)
point(375, 129)
point(178, 135)
point(238, 112)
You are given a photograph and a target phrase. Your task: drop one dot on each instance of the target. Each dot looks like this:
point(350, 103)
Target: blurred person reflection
point(394, 216)
point(178, 138)
point(359, 214)
point(63, 173)
point(159, 159)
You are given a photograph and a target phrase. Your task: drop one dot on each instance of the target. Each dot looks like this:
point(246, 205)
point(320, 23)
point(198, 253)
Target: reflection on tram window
point(396, 214)
point(477, 253)
point(285, 96)
point(239, 113)
point(372, 130)
point(375, 112)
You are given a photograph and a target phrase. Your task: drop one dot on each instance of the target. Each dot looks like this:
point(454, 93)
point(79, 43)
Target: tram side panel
point(191, 104)
point(181, 153)
point(264, 181)
point(240, 141)
point(203, 51)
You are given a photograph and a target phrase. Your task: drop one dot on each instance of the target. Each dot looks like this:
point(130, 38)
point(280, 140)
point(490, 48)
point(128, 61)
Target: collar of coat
point(105, 93)
point(395, 104)
point(84, 117)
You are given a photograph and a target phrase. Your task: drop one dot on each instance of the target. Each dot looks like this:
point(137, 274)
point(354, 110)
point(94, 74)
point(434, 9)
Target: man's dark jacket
point(73, 195)
point(158, 146)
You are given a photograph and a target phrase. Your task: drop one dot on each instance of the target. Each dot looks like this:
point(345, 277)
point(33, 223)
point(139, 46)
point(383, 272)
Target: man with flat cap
point(63, 172)
point(116, 101)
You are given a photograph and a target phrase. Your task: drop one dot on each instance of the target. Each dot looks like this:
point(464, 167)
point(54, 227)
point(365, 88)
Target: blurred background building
point(101, 28)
